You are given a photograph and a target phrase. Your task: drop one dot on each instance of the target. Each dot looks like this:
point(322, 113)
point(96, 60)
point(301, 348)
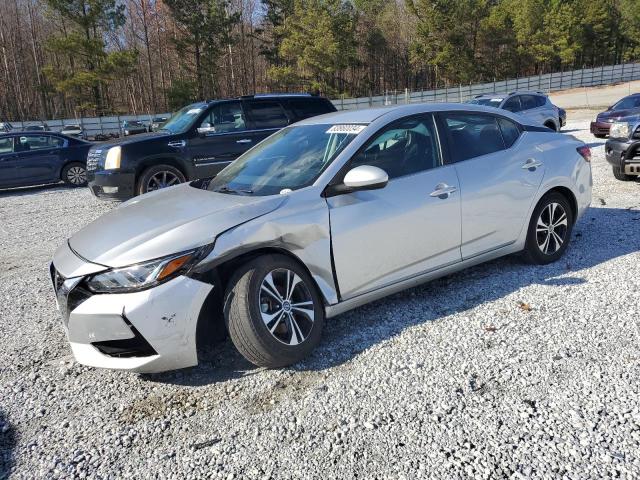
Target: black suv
point(197, 142)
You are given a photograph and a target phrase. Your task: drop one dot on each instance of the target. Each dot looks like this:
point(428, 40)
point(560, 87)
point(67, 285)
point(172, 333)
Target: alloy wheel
point(162, 179)
point(286, 306)
point(77, 175)
point(552, 228)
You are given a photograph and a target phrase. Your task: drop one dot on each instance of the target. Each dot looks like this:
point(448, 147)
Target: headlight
point(620, 130)
point(112, 160)
point(146, 275)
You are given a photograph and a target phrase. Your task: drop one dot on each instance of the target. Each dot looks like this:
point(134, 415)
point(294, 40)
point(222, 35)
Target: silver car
point(535, 106)
point(322, 217)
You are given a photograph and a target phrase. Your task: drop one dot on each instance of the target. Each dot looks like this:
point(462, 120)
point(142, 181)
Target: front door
point(499, 177)
point(409, 227)
point(221, 138)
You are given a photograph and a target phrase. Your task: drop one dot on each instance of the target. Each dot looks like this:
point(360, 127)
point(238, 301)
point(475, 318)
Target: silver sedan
point(322, 217)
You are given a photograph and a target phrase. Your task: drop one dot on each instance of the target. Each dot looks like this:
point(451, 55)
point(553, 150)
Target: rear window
point(267, 114)
point(310, 107)
point(510, 131)
point(541, 101)
point(528, 102)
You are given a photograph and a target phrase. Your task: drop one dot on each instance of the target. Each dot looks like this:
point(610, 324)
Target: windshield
point(627, 103)
point(183, 119)
point(487, 102)
point(288, 160)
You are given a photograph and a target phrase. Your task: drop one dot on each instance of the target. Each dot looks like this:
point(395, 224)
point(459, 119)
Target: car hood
point(616, 114)
point(141, 137)
point(165, 222)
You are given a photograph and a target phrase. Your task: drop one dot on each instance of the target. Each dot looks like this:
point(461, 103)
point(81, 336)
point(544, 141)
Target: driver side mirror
point(205, 128)
point(364, 177)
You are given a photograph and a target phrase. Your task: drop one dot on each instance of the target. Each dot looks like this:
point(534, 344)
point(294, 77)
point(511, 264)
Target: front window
point(6, 145)
point(290, 159)
point(183, 119)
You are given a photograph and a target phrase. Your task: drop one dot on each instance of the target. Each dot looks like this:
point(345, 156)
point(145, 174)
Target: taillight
point(585, 152)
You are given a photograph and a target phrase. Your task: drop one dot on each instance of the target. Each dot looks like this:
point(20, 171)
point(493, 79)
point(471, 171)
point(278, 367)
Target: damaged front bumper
point(148, 331)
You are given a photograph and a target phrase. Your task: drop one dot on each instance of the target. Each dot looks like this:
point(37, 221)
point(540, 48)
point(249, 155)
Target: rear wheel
point(551, 125)
point(75, 174)
point(620, 175)
point(273, 311)
point(549, 229)
point(159, 176)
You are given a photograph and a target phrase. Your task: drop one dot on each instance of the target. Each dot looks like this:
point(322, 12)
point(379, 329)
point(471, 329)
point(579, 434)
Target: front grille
point(69, 293)
point(93, 159)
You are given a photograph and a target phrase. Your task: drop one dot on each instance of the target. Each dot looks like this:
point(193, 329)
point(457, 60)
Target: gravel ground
point(503, 370)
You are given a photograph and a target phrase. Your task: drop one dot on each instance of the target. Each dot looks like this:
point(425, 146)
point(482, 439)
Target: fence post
point(460, 93)
point(406, 96)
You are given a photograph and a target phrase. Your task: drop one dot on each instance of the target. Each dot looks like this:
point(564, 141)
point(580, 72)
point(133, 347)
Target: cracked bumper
point(149, 331)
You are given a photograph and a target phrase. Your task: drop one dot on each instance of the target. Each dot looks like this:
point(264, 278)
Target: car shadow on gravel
point(34, 190)
point(602, 235)
point(8, 442)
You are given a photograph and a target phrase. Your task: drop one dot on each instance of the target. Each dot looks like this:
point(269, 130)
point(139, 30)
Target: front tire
point(273, 311)
point(159, 176)
point(549, 229)
point(75, 174)
point(620, 175)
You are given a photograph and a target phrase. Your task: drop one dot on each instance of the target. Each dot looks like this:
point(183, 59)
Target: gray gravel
point(503, 370)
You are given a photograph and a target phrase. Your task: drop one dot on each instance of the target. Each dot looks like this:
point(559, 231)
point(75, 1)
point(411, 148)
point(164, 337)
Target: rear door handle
point(531, 164)
point(443, 191)
point(244, 140)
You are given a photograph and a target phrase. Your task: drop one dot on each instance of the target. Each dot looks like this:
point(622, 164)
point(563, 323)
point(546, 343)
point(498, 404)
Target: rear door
point(499, 176)
point(222, 137)
point(7, 162)
point(39, 158)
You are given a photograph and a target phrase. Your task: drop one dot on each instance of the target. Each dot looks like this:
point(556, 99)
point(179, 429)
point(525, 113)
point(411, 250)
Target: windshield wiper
point(226, 189)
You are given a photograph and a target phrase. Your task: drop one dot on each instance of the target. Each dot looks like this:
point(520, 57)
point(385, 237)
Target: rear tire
point(158, 177)
point(620, 175)
point(273, 328)
point(599, 135)
point(551, 125)
point(549, 230)
point(74, 174)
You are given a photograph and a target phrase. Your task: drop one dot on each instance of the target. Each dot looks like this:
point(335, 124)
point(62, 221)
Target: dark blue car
point(35, 158)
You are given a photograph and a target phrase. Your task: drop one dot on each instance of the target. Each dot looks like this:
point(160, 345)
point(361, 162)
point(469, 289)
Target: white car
point(73, 131)
point(321, 217)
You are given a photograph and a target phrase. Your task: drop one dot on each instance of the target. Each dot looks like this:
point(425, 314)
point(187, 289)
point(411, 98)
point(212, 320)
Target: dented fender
point(301, 229)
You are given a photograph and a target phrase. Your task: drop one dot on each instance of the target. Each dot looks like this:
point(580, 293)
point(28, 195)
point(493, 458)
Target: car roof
point(368, 115)
point(510, 94)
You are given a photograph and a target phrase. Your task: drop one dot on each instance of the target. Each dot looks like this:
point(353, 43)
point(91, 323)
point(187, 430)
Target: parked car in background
point(623, 108)
point(197, 142)
point(622, 149)
point(133, 127)
point(36, 128)
point(33, 158)
point(535, 106)
point(73, 130)
point(156, 123)
point(5, 127)
point(322, 217)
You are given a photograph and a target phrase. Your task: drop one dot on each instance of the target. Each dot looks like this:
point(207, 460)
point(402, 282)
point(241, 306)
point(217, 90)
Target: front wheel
point(273, 311)
point(159, 176)
point(75, 174)
point(620, 175)
point(549, 229)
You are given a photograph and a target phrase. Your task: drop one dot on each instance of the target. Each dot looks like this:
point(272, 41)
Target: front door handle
point(531, 164)
point(244, 140)
point(443, 191)
point(178, 144)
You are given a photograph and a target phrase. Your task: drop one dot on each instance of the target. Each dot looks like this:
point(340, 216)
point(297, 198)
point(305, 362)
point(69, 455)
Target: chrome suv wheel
point(159, 176)
point(273, 311)
point(549, 229)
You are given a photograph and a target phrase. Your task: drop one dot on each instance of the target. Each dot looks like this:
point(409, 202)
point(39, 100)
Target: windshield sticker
point(194, 111)
point(349, 129)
